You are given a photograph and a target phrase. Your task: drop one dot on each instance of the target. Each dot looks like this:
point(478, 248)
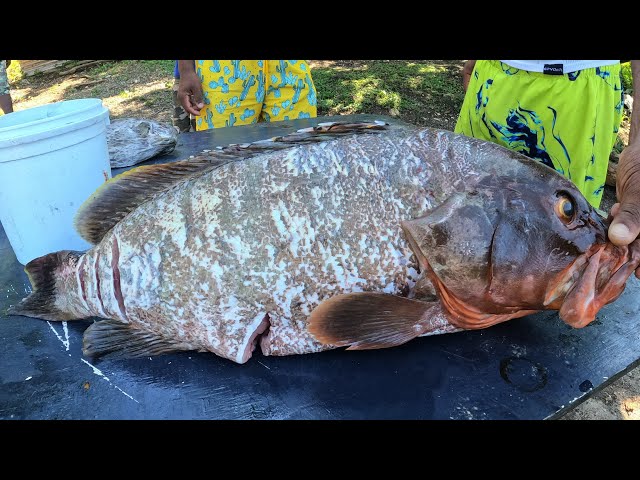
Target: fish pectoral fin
point(369, 320)
point(111, 339)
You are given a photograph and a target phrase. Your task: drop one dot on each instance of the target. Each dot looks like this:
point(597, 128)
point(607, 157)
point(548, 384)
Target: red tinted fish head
point(512, 246)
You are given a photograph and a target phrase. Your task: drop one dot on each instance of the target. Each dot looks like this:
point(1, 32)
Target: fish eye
point(565, 208)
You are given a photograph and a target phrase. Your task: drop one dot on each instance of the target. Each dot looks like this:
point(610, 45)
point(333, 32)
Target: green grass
point(165, 66)
point(627, 83)
point(412, 90)
point(150, 67)
point(14, 72)
point(618, 145)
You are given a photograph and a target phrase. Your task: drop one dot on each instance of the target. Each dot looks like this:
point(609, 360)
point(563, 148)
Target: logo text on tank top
point(553, 69)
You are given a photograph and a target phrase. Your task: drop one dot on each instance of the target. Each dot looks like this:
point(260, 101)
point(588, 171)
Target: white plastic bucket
point(52, 158)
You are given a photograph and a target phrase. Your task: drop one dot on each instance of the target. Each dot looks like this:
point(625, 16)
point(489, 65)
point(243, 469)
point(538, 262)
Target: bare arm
point(625, 225)
point(467, 70)
point(635, 113)
point(190, 88)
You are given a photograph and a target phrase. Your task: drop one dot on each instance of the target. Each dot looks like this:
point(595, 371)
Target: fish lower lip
point(567, 279)
point(581, 304)
point(586, 293)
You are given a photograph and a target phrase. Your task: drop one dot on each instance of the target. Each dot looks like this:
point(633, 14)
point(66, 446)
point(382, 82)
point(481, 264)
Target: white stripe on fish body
point(68, 280)
point(96, 267)
point(85, 306)
point(86, 270)
point(102, 287)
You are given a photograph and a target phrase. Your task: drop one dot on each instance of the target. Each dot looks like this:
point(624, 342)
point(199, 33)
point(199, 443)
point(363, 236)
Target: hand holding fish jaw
point(625, 226)
point(593, 280)
point(467, 70)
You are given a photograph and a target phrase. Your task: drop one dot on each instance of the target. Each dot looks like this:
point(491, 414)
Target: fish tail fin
point(365, 321)
point(44, 273)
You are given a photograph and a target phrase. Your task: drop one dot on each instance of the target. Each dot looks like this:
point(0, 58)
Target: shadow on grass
point(126, 87)
point(422, 92)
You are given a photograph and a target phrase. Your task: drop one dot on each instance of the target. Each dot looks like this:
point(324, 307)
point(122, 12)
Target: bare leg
point(6, 104)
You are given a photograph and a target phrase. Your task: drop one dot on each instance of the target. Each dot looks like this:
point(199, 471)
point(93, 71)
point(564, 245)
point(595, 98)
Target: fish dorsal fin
point(322, 132)
point(115, 199)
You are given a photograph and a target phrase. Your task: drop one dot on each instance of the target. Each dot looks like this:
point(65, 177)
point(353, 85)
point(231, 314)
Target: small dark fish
point(134, 140)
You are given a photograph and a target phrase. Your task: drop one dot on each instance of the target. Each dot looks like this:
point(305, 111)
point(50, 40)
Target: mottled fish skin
point(134, 140)
point(270, 237)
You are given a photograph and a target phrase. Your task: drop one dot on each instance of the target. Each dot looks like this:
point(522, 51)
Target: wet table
point(535, 367)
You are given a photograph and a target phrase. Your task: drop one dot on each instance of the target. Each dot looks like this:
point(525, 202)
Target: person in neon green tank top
point(565, 114)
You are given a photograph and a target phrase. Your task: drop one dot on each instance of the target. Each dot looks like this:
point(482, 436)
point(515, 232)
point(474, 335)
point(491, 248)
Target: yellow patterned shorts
point(568, 122)
point(240, 92)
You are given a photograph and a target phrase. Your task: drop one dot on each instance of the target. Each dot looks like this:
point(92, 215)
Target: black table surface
point(534, 367)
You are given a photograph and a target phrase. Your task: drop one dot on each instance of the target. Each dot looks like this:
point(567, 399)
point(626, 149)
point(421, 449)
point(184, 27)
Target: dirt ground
point(145, 91)
point(126, 89)
point(618, 401)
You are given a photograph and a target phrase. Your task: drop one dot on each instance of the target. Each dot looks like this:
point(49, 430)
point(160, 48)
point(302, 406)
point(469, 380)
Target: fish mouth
point(594, 279)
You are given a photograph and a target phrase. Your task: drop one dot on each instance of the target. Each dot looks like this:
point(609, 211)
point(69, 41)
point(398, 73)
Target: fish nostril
point(595, 220)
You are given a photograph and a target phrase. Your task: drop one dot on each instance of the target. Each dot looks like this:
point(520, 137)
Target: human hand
point(625, 225)
point(467, 70)
point(190, 93)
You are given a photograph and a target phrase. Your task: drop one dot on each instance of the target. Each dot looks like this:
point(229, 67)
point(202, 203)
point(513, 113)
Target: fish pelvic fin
point(365, 321)
point(115, 340)
point(43, 273)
